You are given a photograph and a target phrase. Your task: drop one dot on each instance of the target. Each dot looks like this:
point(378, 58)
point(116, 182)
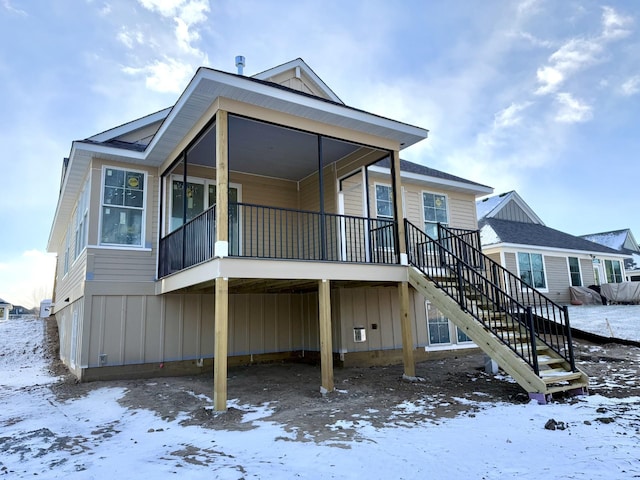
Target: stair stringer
point(506, 358)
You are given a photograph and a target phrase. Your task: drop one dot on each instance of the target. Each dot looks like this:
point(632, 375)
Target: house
point(547, 259)
point(19, 311)
point(5, 307)
point(260, 218)
point(622, 241)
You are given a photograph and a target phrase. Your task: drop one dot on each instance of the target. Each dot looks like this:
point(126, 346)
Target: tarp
point(584, 296)
point(625, 292)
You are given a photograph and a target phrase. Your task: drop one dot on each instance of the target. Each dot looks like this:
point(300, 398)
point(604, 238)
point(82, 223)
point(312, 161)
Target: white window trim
point(424, 220)
point(143, 226)
point(579, 271)
point(83, 201)
point(544, 268)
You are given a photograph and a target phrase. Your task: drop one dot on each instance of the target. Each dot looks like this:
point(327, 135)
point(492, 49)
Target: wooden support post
point(221, 310)
point(326, 353)
point(222, 184)
point(407, 331)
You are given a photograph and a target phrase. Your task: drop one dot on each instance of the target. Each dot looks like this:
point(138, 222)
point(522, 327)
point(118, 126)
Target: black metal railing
point(259, 231)
point(491, 294)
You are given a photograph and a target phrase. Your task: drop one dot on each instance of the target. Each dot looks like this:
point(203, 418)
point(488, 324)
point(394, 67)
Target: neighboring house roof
point(621, 240)
point(617, 239)
point(490, 207)
point(2, 302)
point(494, 231)
point(432, 176)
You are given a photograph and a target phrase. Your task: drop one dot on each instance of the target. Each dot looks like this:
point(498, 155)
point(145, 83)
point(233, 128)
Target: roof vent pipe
point(240, 64)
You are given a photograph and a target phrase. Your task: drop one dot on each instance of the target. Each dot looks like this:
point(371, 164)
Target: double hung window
point(122, 214)
point(531, 268)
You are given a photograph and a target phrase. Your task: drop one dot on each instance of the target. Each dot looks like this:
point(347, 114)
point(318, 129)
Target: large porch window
point(531, 267)
point(613, 270)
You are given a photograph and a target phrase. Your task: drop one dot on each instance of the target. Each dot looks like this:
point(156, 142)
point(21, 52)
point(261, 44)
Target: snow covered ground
point(616, 321)
point(94, 437)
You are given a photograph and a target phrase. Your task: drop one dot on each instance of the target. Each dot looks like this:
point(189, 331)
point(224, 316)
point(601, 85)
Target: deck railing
point(259, 231)
point(491, 293)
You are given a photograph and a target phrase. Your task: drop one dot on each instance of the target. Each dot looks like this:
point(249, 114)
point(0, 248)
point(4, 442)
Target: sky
point(95, 435)
point(537, 96)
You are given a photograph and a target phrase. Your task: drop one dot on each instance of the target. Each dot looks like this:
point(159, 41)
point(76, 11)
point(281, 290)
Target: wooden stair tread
point(563, 376)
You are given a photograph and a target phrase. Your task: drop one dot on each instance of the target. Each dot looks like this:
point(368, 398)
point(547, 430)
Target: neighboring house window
point(435, 211)
point(614, 271)
point(122, 219)
point(531, 269)
point(82, 213)
point(574, 272)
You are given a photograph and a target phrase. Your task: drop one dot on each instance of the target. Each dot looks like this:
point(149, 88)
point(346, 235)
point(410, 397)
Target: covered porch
point(250, 202)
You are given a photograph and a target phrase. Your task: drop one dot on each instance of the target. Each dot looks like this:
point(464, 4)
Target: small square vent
point(359, 334)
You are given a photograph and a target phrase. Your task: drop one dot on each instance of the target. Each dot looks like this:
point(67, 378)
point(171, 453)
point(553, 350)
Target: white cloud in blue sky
point(538, 96)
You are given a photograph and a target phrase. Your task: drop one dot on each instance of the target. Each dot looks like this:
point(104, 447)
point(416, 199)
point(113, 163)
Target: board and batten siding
point(511, 211)
point(136, 329)
point(368, 307)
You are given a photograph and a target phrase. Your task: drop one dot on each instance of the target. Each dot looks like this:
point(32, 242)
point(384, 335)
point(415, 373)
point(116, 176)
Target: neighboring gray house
point(623, 241)
point(4, 310)
point(548, 259)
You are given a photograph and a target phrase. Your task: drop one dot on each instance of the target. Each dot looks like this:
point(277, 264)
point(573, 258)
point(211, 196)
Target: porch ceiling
point(269, 150)
point(263, 285)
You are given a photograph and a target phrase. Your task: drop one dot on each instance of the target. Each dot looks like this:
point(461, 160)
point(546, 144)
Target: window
point(574, 272)
point(614, 271)
point(122, 207)
point(435, 211)
point(531, 269)
point(82, 213)
point(384, 201)
point(67, 247)
point(439, 333)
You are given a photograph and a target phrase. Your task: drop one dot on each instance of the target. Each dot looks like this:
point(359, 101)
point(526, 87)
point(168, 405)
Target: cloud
point(166, 76)
point(614, 24)
point(577, 54)
point(170, 58)
point(10, 8)
point(572, 110)
point(631, 86)
point(510, 116)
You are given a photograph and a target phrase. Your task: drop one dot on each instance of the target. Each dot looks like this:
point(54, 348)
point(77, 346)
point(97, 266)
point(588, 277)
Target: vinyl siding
point(557, 271)
point(511, 211)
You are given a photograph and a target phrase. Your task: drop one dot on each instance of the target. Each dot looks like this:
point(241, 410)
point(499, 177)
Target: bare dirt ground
point(377, 394)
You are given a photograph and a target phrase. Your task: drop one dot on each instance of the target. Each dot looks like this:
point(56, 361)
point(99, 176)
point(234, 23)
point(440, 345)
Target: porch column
point(407, 331)
point(326, 353)
point(397, 200)
point(221, 309)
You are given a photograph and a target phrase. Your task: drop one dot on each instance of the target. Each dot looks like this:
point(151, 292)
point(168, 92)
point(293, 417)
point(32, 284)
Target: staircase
point(523, 331)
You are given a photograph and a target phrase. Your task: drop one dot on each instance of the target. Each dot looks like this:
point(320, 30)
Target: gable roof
point(205, 87)
point(302, 70)
point(432, 176)
point(494, 231)
point(490, 207)
point(2, 302)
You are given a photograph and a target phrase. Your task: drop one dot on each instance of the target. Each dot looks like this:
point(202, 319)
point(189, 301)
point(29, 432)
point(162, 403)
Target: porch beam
point(397, 202)
point(407, 331)
point(221, 329)
point(326, 348)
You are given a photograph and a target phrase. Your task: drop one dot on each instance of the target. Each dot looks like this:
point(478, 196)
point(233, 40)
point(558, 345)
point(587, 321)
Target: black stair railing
point(515, 312)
